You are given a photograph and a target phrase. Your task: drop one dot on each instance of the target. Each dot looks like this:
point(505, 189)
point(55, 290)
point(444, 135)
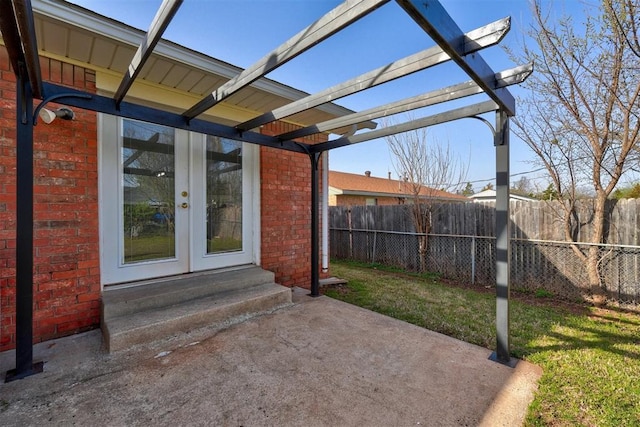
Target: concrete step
point(150, 316)
point(174, 290)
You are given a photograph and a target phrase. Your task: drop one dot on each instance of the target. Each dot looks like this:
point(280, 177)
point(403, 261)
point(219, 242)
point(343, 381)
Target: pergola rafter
point(436, 22)
point(337, 19)
point(480, 38)
point(436, 119)
point(18, 31)
point(17, 27)
point(167, 10)
point(449, 93)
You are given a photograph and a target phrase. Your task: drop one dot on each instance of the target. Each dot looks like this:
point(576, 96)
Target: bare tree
point(523, 187)
point(626, 17)
point(428, 169)
point(580, 114)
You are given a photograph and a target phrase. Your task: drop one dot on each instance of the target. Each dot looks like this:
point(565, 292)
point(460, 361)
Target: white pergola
point(451, 44)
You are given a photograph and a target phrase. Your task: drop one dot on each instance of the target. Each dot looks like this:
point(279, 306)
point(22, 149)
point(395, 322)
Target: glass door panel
point(148, 189)
point(173, 201)
point(223, 195)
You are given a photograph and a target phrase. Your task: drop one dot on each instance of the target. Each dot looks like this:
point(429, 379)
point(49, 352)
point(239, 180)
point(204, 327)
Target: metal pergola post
point(24, 231)
point(315, 226)
point(503, 282)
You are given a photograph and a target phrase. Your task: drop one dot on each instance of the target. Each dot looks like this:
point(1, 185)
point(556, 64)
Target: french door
point(172, 201)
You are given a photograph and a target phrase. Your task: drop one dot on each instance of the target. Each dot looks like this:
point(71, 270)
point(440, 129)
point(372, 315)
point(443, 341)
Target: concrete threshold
point(317, 362)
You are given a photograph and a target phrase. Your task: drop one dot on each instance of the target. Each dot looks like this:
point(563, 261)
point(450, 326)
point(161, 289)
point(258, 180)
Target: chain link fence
point(535, 264)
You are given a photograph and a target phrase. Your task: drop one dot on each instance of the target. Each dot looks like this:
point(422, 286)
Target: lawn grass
point(226, 244)
point(590, 357)
point(162, 246)
point(149, 247)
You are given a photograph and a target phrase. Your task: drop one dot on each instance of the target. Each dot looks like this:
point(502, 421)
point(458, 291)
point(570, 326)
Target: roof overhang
point(77, 35)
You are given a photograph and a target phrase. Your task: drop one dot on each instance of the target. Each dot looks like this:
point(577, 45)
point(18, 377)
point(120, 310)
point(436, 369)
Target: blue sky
point(242, 31)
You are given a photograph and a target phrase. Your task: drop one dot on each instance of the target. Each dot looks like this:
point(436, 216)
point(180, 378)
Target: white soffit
point(69, 31)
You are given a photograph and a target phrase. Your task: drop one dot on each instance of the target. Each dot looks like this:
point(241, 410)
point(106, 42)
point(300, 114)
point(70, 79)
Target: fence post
point(473, 260)
point(375, 238)
point(350, 233)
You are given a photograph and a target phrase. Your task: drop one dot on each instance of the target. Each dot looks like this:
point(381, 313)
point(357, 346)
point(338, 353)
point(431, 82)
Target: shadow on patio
point(316, 362)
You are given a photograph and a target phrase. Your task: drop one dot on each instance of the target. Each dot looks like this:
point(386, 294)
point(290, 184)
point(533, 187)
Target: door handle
point(184, 205)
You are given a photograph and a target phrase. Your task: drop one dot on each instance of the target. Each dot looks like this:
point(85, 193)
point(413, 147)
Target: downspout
point(325, 211)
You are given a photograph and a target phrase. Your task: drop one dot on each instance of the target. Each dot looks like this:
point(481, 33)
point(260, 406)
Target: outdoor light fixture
point(65, 113)
point(49, 116)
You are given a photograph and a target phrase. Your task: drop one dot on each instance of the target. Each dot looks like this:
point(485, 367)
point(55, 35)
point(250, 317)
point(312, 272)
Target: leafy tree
point(549, 193)
point(631, 192)
point(489, 186)
point(580, 114)
point(523, 187)
point(468, 190)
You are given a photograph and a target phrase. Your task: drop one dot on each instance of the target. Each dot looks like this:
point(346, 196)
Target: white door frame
point(190, 252)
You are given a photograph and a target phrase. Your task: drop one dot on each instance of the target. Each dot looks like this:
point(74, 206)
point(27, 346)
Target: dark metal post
point(24, 233)
point(315, 225)
point(503, 283)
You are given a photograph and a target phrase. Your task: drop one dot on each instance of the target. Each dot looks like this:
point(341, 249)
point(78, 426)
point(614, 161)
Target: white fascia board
point(333, 191)
point(396, 195)
point(372, 194)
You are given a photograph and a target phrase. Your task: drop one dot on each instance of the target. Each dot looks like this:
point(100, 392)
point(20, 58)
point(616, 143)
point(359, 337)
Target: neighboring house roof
point(370, 186)
point(490, 196)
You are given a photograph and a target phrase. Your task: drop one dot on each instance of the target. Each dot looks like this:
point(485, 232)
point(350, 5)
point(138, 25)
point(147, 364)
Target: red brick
point(285, 193)
point(67, 282)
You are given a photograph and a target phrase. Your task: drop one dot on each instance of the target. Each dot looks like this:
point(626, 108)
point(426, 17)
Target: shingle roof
point(349, 183)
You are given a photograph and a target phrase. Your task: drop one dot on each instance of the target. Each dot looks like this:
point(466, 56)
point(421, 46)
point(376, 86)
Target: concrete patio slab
point(318, 362)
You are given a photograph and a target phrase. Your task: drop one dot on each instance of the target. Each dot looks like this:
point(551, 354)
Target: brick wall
point(285, 185)
point(66, 255)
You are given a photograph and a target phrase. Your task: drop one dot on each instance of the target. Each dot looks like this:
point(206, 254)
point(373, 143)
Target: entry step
point(141, 314)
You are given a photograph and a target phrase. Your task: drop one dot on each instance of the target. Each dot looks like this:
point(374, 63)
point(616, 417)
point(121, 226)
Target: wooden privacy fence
point(462, 246)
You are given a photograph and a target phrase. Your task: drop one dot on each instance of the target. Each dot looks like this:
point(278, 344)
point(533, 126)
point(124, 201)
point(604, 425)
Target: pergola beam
point(448, 116)
point(475, 40)
point(338, 18)
point(18, 32)
point(437, 23)
point(106, 105)
point(450, 93)
point(11, 35)
point(165, 13)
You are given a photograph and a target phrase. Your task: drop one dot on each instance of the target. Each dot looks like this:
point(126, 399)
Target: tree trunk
point(422, 223)
point(598, 294)
point(423, 248)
